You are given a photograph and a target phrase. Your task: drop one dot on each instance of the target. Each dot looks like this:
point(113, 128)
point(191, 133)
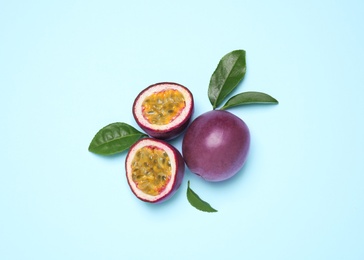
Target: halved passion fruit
point(163, 110)
point(154, 170)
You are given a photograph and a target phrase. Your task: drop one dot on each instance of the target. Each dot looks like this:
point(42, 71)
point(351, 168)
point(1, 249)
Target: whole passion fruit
point(163, 110)
point(216, 145)
point(154, 170)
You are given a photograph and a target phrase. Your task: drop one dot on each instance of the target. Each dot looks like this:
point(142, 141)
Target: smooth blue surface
point(68, 68)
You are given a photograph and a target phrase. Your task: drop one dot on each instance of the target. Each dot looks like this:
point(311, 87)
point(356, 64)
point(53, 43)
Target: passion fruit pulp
point(154, 170)
point(215, 145)
point(163, 110)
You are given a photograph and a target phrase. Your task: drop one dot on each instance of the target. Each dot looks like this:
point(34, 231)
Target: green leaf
point(197, 202)
point(114, 138)
point(247, 98)
point(229, 72)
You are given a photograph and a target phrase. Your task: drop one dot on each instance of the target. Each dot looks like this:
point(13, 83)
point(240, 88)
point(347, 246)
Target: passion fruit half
point(215, 145)
point(154, 170)
point(163, 110)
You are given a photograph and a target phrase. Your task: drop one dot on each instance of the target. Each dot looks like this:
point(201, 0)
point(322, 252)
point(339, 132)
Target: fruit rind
point(179, 124)
point(177, 169)
point(215, 145)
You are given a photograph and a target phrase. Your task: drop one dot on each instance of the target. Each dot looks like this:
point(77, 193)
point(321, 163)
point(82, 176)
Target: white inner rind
point(138, 108)
point(129, 170)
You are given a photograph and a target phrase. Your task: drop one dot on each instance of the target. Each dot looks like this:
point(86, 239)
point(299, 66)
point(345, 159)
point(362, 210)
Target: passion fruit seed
point(163, 107)
point(151, 170)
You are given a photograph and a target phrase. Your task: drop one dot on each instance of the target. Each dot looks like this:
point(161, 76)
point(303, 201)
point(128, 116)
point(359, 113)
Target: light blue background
point(68, 68)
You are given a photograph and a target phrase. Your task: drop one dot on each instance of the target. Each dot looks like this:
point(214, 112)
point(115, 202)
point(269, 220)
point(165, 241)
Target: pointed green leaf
point(229, 72)
point(251, 97)
point(114, 138)
point(197, 202)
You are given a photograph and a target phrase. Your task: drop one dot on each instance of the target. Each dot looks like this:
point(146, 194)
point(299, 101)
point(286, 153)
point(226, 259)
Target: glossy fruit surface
point(163, 110)
point(216, 145)
point(154, 170)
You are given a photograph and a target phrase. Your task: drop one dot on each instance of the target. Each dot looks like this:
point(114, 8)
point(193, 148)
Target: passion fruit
point(163, 110)
point(154, 170)
point(215, 145)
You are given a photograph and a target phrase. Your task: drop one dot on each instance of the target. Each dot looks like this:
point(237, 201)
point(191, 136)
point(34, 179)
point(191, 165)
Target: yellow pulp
point(163, 107)
point(151, 170)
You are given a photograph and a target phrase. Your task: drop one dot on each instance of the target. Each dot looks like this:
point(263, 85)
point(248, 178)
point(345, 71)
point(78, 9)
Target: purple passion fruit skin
point(178, 122)
point(148, 169)
point(216, 145)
